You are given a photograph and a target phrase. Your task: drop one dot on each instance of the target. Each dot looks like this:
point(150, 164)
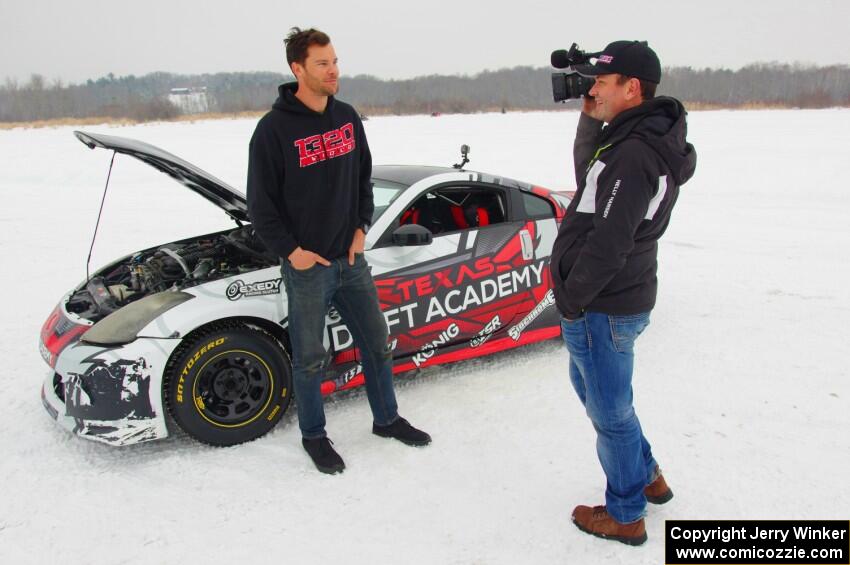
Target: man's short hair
point(298, 41)
point(647, 88)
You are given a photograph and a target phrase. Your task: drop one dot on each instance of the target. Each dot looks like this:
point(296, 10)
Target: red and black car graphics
point(482, 285)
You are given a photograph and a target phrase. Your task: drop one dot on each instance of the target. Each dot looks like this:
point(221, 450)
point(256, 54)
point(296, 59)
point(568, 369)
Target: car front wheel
point(228, 384)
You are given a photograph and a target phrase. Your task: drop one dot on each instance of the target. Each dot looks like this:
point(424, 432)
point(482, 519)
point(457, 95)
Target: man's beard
point(330, 90)
point(320, 88)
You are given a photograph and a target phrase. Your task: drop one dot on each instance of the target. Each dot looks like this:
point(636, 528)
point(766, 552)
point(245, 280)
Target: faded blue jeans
point(601, 362)
point(350, 289)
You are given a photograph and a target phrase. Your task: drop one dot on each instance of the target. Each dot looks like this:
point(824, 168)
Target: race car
point(198, 327)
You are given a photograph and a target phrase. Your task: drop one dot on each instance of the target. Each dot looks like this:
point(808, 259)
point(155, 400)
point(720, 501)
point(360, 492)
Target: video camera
point(570, 84)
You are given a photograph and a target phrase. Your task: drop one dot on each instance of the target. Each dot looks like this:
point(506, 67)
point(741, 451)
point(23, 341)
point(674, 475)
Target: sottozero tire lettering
point(191, 363)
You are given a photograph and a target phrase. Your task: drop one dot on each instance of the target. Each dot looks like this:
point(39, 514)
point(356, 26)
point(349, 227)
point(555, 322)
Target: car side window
point(451, 209)
point(384, 193)
point(537, 207)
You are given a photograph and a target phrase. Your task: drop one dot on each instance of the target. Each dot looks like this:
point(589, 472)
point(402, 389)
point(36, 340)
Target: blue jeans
point(601, 362)
point(351, 290)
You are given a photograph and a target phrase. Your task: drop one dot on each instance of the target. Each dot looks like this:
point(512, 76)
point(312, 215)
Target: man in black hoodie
point(603, 265)
point(310, 201)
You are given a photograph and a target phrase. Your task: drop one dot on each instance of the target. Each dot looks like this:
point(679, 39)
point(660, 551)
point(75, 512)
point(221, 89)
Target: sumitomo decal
point(547, 301)
point(238, 289)
point(486, 332)
point(430, 348)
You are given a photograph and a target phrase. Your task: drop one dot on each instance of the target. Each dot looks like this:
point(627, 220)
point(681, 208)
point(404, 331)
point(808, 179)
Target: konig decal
point(547, 301)
point(485, 333)
point(238, 289)
point(430, 348)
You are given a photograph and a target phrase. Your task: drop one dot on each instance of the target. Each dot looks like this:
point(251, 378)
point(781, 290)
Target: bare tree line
point(521, 88)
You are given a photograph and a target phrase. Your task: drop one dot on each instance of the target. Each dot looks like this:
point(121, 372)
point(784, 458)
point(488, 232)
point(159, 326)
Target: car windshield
point(384, 193)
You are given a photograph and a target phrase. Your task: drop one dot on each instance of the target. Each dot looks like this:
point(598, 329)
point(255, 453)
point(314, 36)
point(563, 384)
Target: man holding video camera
point(631, 157)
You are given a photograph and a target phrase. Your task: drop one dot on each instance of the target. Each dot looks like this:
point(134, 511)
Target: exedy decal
point(547, 301)
point(238, 289)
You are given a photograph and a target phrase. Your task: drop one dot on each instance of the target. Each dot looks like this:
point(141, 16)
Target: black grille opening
point(58, 387)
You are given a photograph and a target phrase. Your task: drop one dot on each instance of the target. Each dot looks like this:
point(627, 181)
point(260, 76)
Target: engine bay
point(177, 265)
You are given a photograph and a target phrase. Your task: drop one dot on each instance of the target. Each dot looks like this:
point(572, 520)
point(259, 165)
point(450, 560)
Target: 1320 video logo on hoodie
point(334, 143)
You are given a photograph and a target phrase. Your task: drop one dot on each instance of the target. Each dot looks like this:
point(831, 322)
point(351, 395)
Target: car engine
point(177, 265)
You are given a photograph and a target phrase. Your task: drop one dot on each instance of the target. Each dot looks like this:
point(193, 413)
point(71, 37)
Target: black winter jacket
point(309, 177)
point(628, 176)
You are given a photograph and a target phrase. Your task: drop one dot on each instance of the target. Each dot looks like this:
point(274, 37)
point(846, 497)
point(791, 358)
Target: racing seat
point(421, 213)
point(411, 216)
point(469, 216)
point(446, 213)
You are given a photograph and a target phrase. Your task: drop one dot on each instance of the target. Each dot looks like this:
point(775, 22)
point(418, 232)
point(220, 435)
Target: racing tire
point(228, 384)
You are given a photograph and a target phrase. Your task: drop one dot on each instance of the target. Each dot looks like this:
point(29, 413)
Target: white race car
point(198, 327)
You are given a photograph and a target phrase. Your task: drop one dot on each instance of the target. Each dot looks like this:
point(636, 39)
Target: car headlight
point(124, 325)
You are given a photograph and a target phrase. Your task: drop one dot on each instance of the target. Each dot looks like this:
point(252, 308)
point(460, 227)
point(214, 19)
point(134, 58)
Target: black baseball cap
point(629, 58)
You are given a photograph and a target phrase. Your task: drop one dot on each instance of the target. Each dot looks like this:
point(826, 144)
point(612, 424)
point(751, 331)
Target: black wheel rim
point(233, 388)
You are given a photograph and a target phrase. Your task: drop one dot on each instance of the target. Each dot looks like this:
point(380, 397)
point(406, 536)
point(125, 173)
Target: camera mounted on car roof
point(570, 84)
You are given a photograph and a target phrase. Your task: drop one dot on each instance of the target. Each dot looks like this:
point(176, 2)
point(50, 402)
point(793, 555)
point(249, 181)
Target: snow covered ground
point(741, 380)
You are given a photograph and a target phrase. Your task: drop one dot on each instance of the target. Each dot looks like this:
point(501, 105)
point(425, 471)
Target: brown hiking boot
point(596, 521)
point(657, 492)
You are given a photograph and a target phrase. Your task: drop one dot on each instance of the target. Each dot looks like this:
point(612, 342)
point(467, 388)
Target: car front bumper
point(110, 395)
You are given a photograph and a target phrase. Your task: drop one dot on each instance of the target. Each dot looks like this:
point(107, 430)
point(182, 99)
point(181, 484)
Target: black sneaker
point(403, 432)
point(323, 455)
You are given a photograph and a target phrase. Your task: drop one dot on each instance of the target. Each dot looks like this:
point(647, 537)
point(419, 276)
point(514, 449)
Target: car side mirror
point(412, 234)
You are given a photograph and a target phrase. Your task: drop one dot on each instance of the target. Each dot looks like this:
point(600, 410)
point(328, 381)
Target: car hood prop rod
point(99, 212)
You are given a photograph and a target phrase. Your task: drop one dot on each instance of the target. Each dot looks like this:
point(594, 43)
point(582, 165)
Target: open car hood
point(216, 191)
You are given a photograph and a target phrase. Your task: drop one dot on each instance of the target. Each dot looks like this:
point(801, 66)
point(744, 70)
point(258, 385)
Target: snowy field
point(741, 380)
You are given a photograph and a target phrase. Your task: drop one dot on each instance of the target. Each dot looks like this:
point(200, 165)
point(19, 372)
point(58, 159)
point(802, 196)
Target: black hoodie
point(309, 177)
point(628, 173)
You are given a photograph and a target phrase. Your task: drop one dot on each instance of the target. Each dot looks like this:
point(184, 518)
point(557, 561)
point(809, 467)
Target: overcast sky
point(81, 39)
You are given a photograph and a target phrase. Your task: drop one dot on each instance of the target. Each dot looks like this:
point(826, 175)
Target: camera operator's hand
point(588, 106)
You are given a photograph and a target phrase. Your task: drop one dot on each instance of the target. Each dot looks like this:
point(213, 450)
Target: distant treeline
point(521, 88)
